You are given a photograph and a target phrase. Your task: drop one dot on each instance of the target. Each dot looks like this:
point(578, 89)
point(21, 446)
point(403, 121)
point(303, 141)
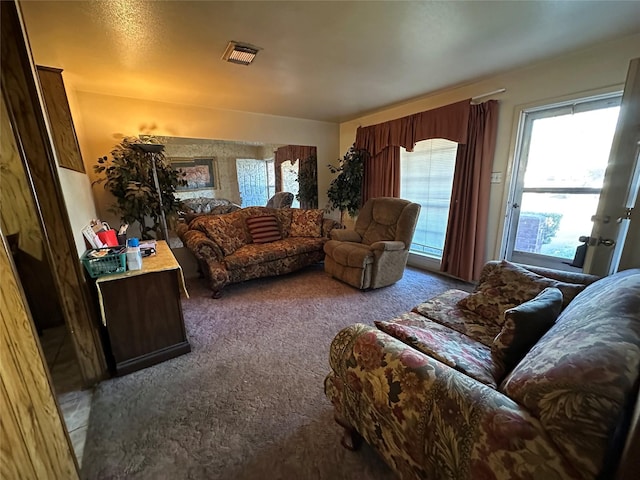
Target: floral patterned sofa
point(490, 384)
point(256, 242)
point(191, 208)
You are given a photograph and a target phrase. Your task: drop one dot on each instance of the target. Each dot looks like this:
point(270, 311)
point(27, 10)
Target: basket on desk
point(113, 261)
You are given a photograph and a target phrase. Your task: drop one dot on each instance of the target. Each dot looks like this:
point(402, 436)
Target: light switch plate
point(496, 177)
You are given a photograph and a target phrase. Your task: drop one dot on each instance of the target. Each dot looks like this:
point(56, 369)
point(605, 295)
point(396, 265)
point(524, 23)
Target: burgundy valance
point(293, 153)
point(448, 122)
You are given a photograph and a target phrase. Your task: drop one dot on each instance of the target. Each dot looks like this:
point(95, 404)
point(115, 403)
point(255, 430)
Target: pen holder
point(108, 237)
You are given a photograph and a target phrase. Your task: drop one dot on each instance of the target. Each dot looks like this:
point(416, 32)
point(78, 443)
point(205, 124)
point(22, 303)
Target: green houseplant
point(345, 191)
point(128, 176)
point(308, 183)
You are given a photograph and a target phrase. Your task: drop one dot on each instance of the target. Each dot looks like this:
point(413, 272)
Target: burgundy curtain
point(381, 174)
point(465, 242)
point(293, 153)
point(383, 142)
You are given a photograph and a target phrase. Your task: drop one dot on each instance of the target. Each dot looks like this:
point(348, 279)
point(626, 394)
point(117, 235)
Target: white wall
point(103, 120)
point(78, 198)
point(599, 69)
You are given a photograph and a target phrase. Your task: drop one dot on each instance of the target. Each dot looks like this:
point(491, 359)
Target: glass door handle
point(607, 242)
point(594, 242)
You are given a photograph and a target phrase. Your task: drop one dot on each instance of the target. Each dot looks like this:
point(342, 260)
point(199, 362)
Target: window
point(426, 177)
point(256, 181)
point(564, 151)
point(289, 172)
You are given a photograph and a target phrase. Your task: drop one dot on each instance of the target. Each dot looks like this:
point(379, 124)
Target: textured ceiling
point(329, 61)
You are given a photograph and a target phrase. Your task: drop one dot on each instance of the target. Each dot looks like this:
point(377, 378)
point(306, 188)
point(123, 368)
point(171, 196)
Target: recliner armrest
point(346, 236)
point(328, 225)
point(388, 245)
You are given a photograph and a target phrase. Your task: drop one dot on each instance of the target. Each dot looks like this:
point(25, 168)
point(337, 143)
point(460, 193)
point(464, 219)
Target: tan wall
point(102, 121)
point(595, 70)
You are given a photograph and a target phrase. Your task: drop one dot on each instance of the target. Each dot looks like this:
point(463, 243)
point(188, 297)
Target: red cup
point(108, 237)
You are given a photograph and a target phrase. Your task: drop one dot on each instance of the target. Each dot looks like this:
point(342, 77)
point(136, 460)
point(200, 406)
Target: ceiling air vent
point(241, 53)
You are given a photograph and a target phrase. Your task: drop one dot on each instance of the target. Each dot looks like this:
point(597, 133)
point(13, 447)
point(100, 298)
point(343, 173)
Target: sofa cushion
point(284, 216)
point(264, 228)
point(255, 253)
point(524, 325)
point(445, 345)
point(578, 377)
point(509, 286)
point(299, 245)
point(225, 230)
point(306, 223)
point(444, 309)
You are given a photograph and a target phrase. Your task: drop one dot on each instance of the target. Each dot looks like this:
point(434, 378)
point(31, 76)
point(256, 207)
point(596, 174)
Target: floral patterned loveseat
point(256, 242)
point(490, 384)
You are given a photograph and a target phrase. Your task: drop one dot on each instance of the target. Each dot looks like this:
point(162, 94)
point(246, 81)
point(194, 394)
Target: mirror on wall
point(245, 173)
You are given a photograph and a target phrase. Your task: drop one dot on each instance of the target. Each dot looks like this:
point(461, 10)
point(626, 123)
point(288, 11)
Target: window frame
point(526, 120)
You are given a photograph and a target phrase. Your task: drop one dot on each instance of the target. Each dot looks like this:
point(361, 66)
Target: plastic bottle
point(134, 257)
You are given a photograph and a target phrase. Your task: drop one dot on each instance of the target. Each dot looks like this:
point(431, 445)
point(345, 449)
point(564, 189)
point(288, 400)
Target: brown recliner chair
point(375, 254)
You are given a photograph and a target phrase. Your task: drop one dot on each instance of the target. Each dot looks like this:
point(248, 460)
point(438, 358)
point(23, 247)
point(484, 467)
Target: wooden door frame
point(35, 442)
point(26, 113)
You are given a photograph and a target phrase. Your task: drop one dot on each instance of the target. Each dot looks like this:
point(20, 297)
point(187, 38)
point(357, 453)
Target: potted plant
point(128, 176)
point(308, 183)
point(345, 191)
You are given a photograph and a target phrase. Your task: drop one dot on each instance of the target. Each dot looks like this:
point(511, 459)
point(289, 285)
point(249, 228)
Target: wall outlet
point(496, 177)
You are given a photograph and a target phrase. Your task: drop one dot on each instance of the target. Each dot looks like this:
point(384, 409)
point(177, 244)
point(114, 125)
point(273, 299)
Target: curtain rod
point(478, 97)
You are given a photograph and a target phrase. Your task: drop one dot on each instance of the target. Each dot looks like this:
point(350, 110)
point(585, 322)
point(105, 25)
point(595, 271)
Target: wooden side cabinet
point(142, 314)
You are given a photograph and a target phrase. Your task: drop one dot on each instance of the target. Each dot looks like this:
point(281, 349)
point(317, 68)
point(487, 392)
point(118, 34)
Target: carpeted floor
point(248, 401)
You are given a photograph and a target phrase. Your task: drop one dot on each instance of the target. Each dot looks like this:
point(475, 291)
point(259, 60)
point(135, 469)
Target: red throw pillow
point(264, 228)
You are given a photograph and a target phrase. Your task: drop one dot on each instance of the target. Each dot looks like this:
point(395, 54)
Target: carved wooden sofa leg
point(216, 294)
point(351, 439)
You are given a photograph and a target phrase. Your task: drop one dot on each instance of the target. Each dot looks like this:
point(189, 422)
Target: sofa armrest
point(560, 275)
point(430, 421)
point(388, 245)
point(329, 225)
point(181, 228)
point(346, 236)
point(202, 246)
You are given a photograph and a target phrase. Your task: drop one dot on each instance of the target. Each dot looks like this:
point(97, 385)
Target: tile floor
point(75, 402)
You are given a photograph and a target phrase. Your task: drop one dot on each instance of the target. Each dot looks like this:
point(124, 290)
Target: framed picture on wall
point(199, 172)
